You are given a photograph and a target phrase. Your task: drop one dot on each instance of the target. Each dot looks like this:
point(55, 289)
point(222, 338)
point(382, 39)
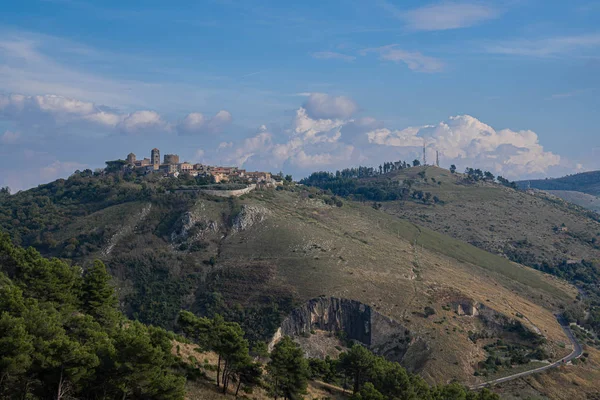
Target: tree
point(98, 297)
point(197, 328)
point(16, 348)
point(249, 375)
point(356, 364)
point(453, 168)
point(288, 370)
point(368, 392)
point(141, 364)
point(232, 349)
point(4, 191)
point(416, 163)
point(288, 178)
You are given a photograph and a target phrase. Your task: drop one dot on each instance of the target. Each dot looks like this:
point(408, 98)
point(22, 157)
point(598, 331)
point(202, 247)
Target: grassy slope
point(304, 249)
point(579, 198)
point(357, 252)
point(496, 218)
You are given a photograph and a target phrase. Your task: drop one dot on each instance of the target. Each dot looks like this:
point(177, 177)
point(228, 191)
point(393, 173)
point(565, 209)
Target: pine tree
point(288, 370)
point(356, 363)
point(98, 298)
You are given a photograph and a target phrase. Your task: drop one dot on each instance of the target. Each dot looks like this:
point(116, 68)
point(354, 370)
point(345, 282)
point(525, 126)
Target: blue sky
point(511, 86)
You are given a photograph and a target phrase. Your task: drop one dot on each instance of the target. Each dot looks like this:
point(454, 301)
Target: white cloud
point(447, 15)
point(547, 47)
point(467, 141)
point(105, 118)
point(332, 55)
point(197, 123)
point(52, 113)
point(321, 105)
point(139, 121)
point(9, 137)
point(414, 60)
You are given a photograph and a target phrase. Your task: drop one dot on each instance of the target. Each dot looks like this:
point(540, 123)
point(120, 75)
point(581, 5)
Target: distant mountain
point(579, 198)
point(587, 182)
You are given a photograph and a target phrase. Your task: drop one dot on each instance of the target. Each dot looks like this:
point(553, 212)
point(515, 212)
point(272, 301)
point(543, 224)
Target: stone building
point(131, 158)
point(171, 159)
point(155, 157)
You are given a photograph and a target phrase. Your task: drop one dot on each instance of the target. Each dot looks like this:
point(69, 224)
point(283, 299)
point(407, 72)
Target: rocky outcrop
point(357, 321)
point(248, 217)
point(466, 307)
point(192, 227)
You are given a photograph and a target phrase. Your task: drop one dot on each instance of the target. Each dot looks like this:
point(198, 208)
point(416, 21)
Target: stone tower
point(131, 158)
point(155, 158)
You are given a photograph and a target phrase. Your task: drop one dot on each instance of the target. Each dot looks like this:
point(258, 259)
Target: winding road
point(576, 353)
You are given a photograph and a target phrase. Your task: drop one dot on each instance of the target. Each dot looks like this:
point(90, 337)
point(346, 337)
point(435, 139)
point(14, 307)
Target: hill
point(257, 258)
point(578, 198)
point(586, 182)
point(528, 227)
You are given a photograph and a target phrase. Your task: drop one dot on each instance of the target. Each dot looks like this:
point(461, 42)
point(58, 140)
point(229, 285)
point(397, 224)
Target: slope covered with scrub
point(256, 258)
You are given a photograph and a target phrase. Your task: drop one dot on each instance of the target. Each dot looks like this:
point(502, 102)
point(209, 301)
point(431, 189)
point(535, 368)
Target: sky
point(510, 86)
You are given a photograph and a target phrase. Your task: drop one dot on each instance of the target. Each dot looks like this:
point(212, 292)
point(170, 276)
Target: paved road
point(577, 351)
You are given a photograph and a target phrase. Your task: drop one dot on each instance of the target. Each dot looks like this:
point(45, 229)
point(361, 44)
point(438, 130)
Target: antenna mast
point(437, 158)
point(424, 153)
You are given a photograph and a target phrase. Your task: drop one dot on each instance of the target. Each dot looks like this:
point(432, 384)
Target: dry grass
point(359, 253)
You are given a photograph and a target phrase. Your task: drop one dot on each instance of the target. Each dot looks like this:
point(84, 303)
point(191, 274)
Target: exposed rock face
point(466, 307)
point(358, 321)
point(249, 216)
point(192, 227)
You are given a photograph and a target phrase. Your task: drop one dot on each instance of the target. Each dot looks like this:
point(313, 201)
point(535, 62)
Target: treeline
point(477, 175)
point(62, 336)
point(287, 372)
point(350, 183)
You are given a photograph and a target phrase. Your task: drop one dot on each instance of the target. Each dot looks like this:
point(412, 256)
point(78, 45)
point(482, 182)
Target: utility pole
point(437, 158)
point(424, 153)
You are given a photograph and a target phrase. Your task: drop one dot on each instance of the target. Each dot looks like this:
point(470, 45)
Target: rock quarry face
point(358, 322)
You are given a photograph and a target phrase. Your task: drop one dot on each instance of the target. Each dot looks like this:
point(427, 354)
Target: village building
point(171, 166)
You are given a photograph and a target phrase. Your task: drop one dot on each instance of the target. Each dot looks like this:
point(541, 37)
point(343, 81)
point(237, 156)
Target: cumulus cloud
point(310, 143)
point(467, 141)
point(413, 60)
point(197, 123)
point(51, 111)
point(321, 105)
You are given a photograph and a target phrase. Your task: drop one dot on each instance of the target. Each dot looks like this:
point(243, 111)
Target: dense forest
point(62, 335)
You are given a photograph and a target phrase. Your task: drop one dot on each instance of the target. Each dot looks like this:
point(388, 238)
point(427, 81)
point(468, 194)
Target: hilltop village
point(172, 167)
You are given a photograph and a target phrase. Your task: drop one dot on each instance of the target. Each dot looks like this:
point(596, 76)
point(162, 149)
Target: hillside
point(530, 228)
point(256, 258)
point(578, 198)
point(586, 182)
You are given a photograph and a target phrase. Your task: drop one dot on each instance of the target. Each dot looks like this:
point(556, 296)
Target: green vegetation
point(288, 371)
point(373, 377)
point(586, 182)
point(61, 335)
